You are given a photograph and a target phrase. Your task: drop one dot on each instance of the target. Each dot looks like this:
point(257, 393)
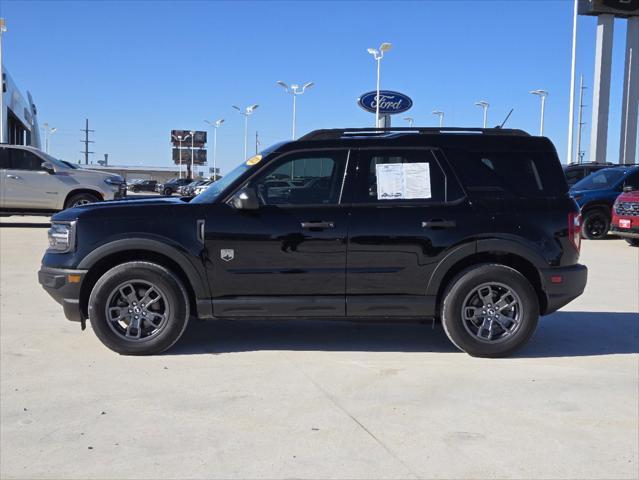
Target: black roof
point(337, 133)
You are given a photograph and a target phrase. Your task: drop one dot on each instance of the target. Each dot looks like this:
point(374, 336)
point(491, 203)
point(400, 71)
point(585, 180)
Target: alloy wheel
point(137, 310)
point(492, 312)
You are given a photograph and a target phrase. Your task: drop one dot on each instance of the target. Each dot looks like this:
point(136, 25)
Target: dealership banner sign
point(390, 103)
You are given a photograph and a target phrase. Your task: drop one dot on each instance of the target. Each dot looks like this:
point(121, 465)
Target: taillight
point(574, 229)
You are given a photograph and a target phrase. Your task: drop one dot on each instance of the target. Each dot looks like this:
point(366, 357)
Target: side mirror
point(47, 167)
point(245, 199)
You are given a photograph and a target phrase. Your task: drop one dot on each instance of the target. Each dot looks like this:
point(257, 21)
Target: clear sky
point(138, 69)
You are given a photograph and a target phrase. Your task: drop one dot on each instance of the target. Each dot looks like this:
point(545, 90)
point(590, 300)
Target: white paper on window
point(389, 181)
point(397, 181)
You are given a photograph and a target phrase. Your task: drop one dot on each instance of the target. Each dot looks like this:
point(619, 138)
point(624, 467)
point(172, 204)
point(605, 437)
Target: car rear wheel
point(490, 310)
point(596, 224)
point(633, 241)
point(167, 191)
point(139, 308)
point(80, 199)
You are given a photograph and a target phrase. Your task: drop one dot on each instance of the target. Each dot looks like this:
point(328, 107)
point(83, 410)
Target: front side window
point(400, 176)
point(311, 178)
point(601, 180)
point(24, 160)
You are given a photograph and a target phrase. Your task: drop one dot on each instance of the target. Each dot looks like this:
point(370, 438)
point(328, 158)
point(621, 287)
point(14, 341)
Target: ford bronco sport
point(471, 226)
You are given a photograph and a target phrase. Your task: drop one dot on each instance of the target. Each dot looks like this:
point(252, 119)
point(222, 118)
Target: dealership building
point(18, 115)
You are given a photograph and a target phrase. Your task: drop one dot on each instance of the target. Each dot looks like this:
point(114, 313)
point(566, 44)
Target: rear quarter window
point(509, 174)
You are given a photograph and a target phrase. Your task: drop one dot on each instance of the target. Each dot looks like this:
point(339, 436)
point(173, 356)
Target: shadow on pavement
point(562, 334)
point(5, 224)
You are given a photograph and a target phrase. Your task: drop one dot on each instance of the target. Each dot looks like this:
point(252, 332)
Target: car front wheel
point(139, 308)
point(595, 225)
point(80, 199)
point(490, 310)
point(167, 192)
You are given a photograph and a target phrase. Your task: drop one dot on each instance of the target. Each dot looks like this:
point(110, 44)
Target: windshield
point(601, 180)
point(70, 165)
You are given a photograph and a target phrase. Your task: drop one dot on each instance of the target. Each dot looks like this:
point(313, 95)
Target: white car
point(32, 182)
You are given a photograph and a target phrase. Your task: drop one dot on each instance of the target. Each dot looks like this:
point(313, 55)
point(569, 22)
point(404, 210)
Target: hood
point(81, 172)
point(629, 196)
point(143, 207)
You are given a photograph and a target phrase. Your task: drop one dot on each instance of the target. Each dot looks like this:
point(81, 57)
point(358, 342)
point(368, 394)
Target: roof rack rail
point(336, 133)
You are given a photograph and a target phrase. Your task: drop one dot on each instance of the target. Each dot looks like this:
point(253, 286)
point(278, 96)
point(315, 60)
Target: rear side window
point(402, 176)
point(509, 174)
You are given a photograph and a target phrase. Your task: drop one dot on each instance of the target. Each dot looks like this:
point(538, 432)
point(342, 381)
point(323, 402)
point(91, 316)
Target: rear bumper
point(560, 293)
point(64, 289)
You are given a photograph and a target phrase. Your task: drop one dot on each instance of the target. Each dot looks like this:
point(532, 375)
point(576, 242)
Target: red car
point(625, 217)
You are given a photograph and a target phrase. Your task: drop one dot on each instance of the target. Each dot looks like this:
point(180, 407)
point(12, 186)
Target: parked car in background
point(596, 195)
point(201, 187)
point(625, 216)
point(472, 226)
point(187, 190)
point(34, 183)
point(171, 187)
point(143, 186)
point(578, 171)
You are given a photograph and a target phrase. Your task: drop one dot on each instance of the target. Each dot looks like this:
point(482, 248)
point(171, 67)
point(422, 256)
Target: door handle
point(14, 177)
point(317, 225)
point(439, 224)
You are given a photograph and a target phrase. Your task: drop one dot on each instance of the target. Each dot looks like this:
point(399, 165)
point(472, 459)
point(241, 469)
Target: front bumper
point(64, 286)
point(562, 285)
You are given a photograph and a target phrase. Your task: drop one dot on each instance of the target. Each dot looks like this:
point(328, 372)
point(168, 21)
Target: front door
point(26, 185)
point(288, 257)
point(406, 211)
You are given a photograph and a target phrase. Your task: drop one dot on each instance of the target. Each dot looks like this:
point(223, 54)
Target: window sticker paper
point(399, 181)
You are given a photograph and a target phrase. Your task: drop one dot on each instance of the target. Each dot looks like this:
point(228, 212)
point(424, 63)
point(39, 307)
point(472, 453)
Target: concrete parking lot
point(319, 400)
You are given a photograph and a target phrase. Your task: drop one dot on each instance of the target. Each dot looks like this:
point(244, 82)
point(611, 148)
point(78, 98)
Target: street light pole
point(216, 124)
point(410, 121)
point(47, 132)
point(440, 114)
point(571, 110)
point(248, 111)
point(3, 28)
point(295, 90)
point(542, 94)
point(192, 152)
point(378, 55)
point(484, 104)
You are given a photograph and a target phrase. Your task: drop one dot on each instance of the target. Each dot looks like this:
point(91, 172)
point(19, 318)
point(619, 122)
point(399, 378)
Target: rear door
point(407, 210)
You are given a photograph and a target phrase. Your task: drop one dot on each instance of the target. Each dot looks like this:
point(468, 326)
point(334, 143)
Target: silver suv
point(33, 182)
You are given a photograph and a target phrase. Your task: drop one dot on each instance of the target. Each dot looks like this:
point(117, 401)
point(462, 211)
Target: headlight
point(62, 237)
point(115, 180)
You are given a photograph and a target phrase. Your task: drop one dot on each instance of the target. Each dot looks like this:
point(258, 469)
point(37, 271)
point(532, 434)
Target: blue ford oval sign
point(390, 102)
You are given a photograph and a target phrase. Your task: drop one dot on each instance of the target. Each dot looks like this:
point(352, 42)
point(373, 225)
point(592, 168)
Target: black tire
point(461, 290)
point(596, 224)
point(80, 199)
point(173, 307)
point(135, 189)
point(168, 192)
point(632, 241)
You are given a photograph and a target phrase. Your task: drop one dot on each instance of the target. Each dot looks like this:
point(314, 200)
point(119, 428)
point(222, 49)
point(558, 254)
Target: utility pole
point(257, 140)
point(580, 123)
point(86, 141)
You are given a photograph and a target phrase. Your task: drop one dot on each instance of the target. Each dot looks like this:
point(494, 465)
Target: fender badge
point(227, 254)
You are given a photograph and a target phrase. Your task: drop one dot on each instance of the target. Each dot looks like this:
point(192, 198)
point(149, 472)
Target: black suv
point(473, 227)
point(170, 187)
